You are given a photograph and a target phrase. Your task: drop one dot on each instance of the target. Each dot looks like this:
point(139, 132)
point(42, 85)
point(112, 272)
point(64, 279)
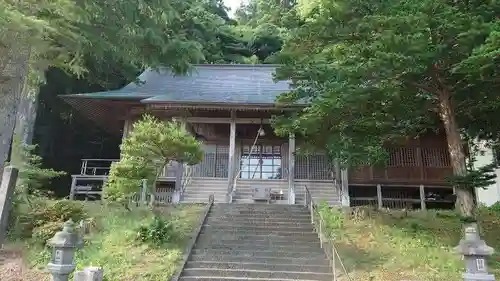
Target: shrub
point(45, 231)
point(333, 219)
point(495, 207)
point(45, 218)
point(157, 233)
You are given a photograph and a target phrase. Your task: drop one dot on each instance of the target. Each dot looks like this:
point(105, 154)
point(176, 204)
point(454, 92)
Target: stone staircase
point(199, 189)
point(257, 242)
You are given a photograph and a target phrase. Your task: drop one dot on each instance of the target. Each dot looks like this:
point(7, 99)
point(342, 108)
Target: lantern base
point(478, 277)
point(60, 269)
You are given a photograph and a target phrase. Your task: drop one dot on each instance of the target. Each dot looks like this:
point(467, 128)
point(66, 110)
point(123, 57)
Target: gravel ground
point(12, 268)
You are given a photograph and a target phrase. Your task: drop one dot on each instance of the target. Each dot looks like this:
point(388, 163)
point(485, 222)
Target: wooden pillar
point(179, 170)
point(232, 149)
point(126, 127)
point(379, 196)
point(422, 197)
point(291, 169)
point(344, 177)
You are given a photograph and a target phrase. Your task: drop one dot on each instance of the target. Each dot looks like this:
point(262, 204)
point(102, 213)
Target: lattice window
point(215, 162)
point(435, 157)
point(402, 157)
point(301, 167)
point(221, 161)
point(312, 167)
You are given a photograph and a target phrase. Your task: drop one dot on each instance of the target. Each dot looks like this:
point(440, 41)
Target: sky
point(233, 4)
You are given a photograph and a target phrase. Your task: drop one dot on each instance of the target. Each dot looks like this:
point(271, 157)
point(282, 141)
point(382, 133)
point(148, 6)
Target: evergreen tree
point(374, 71)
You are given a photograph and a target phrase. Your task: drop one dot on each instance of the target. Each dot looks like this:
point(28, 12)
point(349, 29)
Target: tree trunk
point(465, 198)
point(14, 59)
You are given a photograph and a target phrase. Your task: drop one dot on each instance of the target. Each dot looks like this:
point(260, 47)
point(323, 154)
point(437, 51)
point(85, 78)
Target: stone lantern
point(64, 245)
point(475, 252)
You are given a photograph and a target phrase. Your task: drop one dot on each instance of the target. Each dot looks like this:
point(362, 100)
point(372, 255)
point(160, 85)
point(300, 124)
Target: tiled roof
point(233, 84)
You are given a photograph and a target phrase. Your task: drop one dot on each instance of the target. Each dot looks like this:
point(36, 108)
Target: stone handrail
point(192, 242)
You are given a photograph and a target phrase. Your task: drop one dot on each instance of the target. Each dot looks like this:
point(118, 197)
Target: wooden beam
point(291, 169)
point(222, 120)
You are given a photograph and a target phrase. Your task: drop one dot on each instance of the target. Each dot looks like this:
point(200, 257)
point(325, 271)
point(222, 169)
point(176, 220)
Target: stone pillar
point(7, 187)
point(73, 188)
point(291, 169)
point(232, 149)
point(64, 245)
point(475, 251)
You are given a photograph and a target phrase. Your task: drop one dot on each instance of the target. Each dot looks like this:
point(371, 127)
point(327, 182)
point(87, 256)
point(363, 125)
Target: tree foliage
point(32, 175)
point(151, 145)
point(376, 71)
point(140, 33)
point(265, 25)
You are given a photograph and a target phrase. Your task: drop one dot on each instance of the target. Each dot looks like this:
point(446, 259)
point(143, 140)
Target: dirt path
point(13, 268)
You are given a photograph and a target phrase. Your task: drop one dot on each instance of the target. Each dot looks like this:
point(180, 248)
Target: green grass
point(397, 245)
point(113, 245)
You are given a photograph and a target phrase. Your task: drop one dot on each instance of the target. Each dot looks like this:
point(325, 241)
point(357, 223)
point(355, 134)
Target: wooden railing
point(161, 195)
point(96, 167)
point(327, 244)
point(101, 167)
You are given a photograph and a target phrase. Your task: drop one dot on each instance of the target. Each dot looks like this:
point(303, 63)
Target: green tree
point(376, 71)
point(73, 35)
point(151, 145)
point(32, 176)
point(265, 25)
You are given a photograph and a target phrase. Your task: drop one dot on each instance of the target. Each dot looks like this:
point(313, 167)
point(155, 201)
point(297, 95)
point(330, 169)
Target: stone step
point(258, 237)
point(324, 268)
point(213, 231)
point(257, 214)
point(256, 253)
point(259, 221)
point(257, 243)
point(257, 218)
point(211, 278)
point(257, 274)
point(291, 247)
point(205, 191)
point(257, 227)
point(261, 205)
point(260, 260)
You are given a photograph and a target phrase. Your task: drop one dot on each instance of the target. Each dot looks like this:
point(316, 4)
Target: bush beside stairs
point(258, 242)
